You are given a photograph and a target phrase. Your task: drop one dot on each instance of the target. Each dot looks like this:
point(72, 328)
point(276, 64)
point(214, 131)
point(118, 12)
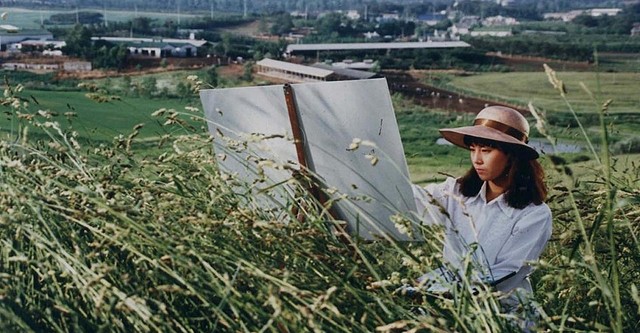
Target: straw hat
point(497, 123)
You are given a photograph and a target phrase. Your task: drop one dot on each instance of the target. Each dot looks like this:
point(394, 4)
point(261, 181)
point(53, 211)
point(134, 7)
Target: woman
point(494, 216)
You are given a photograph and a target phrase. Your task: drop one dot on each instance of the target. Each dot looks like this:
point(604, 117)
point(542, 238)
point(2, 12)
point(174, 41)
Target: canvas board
point(372, 178)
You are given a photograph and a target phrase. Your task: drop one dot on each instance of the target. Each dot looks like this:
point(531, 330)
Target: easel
point(309, 183)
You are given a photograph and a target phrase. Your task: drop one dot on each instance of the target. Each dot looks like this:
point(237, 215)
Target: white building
point(604, 11)
point(158, 47)
point(11, 35)
point(499, 20)
point(353, 15)
point(570, 15)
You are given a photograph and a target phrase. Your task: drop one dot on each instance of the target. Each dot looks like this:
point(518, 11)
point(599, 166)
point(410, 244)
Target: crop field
point(98, 122)
point(522, 88)
point(32, 19)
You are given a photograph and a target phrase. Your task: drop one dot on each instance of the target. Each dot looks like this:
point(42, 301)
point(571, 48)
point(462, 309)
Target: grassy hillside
point(99, 238)
point(98, 122)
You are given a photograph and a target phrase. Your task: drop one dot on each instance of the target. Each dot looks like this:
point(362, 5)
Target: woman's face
point(490, 163)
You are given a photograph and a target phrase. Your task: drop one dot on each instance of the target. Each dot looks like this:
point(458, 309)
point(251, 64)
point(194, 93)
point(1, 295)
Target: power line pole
point(104, 14)
point(245, 9)
point(178, 3)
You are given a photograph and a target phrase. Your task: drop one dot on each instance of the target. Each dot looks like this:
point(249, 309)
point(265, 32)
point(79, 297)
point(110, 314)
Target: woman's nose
point(476, 157)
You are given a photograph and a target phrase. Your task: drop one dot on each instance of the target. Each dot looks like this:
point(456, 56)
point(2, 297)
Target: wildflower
point(402, 224)
point(373, 159)
point(553, 79)
point(355, 144)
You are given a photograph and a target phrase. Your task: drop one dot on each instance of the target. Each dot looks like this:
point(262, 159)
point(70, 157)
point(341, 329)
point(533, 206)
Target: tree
point(226, 43)
point(108, 56)
point(211, 76)
point(78, 42)
point(247, 75)
point(282, 25)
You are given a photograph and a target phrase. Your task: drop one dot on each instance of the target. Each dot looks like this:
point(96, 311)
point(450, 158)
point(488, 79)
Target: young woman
point(494, 216)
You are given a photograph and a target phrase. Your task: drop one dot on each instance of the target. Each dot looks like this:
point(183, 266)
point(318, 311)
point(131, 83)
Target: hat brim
point(456, 136)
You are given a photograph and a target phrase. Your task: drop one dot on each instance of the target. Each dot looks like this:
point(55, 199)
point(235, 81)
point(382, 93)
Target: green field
point(522, 88)
point(99, 122)
point(32, 19)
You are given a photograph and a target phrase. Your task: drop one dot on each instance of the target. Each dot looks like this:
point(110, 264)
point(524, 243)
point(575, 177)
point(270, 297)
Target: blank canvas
point(250, 125)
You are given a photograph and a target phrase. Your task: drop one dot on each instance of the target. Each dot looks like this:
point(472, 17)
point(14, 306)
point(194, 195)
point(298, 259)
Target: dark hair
point(525, 177)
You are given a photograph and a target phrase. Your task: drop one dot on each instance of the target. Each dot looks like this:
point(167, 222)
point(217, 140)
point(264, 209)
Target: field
point(32, 19)
point(98, 122)
point(99, 237)
point(522, 88)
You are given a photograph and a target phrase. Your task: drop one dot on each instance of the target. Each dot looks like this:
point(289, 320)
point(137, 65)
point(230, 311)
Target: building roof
point(374, 46)
point(352, 73)
point(8, 27)
point(301, 69)
point(55, 43)
point(172, 41)
point(38, 33)
point(159, 45)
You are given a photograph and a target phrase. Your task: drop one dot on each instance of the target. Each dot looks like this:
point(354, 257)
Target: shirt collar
point(500, 200)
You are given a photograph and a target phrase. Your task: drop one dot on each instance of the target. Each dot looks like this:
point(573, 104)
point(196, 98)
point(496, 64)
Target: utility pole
point(245, 9)
point(104, 15)
point(178, 4)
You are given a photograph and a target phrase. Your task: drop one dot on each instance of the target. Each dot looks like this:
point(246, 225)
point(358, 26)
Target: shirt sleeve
point(528, 238)
point(432, 201)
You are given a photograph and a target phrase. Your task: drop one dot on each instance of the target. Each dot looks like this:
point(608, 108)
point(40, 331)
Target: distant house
point(499, 20)
point(494, 31)
point(317, 48)
point(604, 11)
point(353, 15)
point(158, 47)
point(47, 47)
point(464, 25)
point(565, 17)
point(47, 67)
point(76, 66)
point(162, 49)
point(570, 15)
point(371, 35)
point(635, 31)
point(290, 72)
point(10, 34)
point(386, 17)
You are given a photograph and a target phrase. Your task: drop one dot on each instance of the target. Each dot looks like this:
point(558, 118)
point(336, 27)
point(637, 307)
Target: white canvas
point(333, 116)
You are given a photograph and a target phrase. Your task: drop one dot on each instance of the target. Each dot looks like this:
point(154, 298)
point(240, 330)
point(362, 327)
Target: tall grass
point(108, 238)
point(593, 265)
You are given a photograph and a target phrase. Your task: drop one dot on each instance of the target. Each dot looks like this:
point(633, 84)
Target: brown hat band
point(504, 128)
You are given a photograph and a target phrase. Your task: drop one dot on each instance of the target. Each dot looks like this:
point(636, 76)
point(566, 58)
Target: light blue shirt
point(499, 239)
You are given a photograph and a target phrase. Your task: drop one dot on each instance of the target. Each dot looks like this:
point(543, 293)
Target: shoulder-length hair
point(525, 177)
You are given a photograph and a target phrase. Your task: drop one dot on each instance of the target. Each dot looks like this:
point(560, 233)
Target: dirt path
point(436, 98)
